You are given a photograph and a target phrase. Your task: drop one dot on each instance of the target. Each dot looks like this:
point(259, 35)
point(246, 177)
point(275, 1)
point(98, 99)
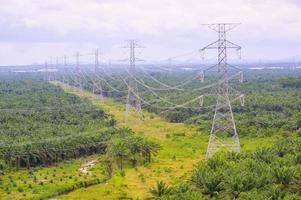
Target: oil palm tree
point(159, 190)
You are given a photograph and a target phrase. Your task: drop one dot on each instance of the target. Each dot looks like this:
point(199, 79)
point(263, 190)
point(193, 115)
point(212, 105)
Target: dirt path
point(87, 166)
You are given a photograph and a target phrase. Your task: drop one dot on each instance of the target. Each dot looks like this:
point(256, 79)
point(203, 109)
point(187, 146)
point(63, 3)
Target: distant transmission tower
point(64, 79)
point(95, 88)
point(56, 70)
point(77, 72)
point(50, 70)
point(46, 71)
point(223, 131)
point(132, 100)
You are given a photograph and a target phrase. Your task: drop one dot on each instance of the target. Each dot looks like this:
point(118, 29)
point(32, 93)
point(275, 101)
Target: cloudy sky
point(33, 30)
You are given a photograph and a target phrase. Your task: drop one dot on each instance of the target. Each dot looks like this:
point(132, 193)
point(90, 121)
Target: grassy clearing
point(40, 183)
point(182, 147)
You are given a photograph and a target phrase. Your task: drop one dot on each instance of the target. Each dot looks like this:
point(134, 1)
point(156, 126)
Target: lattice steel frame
point(132, 100)
point(223, 131)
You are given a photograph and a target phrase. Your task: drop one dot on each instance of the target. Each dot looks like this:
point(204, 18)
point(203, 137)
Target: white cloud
point(167, 25)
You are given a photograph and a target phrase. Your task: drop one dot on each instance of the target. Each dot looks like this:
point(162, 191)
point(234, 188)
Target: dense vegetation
point(268, 173)
point(291, 82)
point(41, 124)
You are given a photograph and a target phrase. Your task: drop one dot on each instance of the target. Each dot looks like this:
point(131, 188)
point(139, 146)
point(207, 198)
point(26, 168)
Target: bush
point(20, 189)
point(209, 181)
point(160, 189)
point(238, 180)
point(265, 154)
point(284, 175)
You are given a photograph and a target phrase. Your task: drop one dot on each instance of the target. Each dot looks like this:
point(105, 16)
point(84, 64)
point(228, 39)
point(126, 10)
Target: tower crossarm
point(227, 44)
point(216, 26)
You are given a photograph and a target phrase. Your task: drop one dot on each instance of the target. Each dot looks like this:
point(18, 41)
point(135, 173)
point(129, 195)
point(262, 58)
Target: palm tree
point(135, 147)
point(159, 190)
point(117, 148)
point(207, 180)
point(283, 175)
point(149, 148)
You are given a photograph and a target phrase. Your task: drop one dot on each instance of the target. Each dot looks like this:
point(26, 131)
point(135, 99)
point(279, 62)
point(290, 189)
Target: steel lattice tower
point(223, 131)
point(46, 71)
point(50, 69)
point(64, 70)
point(77, 72)
point(132, 100)
point(95, 88)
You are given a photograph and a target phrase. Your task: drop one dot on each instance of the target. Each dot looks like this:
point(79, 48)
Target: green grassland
point(45, 182)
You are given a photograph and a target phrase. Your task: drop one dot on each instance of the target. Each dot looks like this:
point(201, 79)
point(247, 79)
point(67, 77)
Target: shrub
point(160, 189)
point(265, 154)
point(237, 181)
point(20, 189)
point(283, 175)
point(274, 193)
point(209, 181)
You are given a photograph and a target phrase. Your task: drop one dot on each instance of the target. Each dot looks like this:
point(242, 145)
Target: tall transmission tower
point(96, 67)
point(132, 100)
point(223, 131)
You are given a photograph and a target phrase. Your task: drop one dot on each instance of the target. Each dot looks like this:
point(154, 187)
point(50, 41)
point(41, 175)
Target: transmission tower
point(223, 131)
point(95, 88)
point(50, 70)
point(132, 100)
point(46, 71)
point(56, 70)
point(77, 72)
point(64, 69)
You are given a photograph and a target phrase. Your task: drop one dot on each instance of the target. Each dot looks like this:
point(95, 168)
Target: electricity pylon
point(56, 70)
point(50, 70)
point(46, 71)
point(64, 70)
point(132, 100)
point(95, 88)
point(223, 131)
point(77, 73)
